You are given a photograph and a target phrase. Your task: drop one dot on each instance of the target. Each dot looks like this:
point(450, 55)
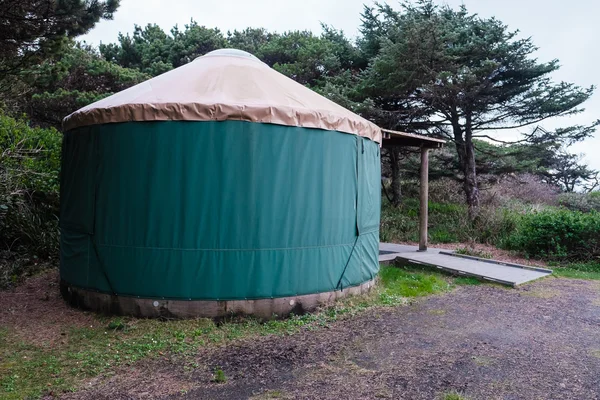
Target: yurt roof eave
point(145, 112)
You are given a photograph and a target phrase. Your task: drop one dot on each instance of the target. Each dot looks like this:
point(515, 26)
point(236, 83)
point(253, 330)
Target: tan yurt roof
point(224, 85)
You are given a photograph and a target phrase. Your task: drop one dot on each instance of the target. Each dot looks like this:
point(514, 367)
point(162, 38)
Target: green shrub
point(448, 223)
point(446, 208)
point(29, 200)
point(219, 376)
point(558, 234)
point(442, 236)
point(493, 225)
point(29, 157)
point(584, 202)
point(398, 224)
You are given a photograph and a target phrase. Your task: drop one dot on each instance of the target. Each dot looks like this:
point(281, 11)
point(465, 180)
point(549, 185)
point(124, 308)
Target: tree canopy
point(302, 55)
point(421, 68)
point(34, 30)
point(455, 75)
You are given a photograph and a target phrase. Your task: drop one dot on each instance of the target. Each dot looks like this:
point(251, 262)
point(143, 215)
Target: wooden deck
point(496, 271)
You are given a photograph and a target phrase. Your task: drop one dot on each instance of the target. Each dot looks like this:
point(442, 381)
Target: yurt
point(219, 187)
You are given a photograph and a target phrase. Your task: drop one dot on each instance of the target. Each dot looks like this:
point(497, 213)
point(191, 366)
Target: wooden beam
point(396, 138)
point(424, 197)
point(409, 142)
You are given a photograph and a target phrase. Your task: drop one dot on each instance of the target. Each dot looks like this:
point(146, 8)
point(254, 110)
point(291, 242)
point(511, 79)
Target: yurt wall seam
point(356, 207)
point(225, 249)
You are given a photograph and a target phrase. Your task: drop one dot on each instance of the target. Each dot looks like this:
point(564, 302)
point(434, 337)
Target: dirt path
point(541, 341)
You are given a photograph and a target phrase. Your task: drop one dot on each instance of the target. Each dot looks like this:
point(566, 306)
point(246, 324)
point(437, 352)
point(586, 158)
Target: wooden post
point(424, 195)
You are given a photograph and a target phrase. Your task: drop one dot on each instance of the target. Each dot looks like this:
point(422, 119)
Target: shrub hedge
point(558, 234)
point(584, 202)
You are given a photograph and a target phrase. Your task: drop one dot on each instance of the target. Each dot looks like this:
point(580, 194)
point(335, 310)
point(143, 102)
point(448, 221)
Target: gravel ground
point(541, 341)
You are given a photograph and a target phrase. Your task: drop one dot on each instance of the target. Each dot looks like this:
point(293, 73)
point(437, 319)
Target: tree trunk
point(466, 159)
point(396, 185)
point(470, 170)
point(470, 184)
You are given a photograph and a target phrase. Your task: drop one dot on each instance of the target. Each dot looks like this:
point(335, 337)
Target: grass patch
point(467, 281)
point(410, 283)
point(587, 270)
point(29, 370)
point(454, 396)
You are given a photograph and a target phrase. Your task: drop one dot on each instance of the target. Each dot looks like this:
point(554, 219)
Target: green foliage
point(398, 224)
point(35, 30)
point(301, 55)
point(250, 39)
point(30, 156)
point(307, 58)
point(152, 51)
point(117, 324)
point(458, 64)
point(448, 223)
point(32, 152)
point(442, 236)
point(493, 224)
point(79, 77)
point(29, 166)
point(584, 202)
point(435, 69)
point(219, 376)
point(558, 234)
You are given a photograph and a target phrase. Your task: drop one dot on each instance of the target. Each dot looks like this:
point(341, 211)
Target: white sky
point(569, 31)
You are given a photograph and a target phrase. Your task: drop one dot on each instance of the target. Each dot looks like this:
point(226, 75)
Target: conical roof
point(223, 85)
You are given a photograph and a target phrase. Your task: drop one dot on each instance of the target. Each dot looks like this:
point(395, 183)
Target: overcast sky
point(567, 30)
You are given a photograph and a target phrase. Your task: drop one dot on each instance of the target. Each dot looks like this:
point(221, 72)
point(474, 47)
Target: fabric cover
point(218, 210)
point(224, 85)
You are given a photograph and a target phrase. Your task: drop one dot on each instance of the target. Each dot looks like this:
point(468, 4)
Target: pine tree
point(34, 30)
point(462, 77)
